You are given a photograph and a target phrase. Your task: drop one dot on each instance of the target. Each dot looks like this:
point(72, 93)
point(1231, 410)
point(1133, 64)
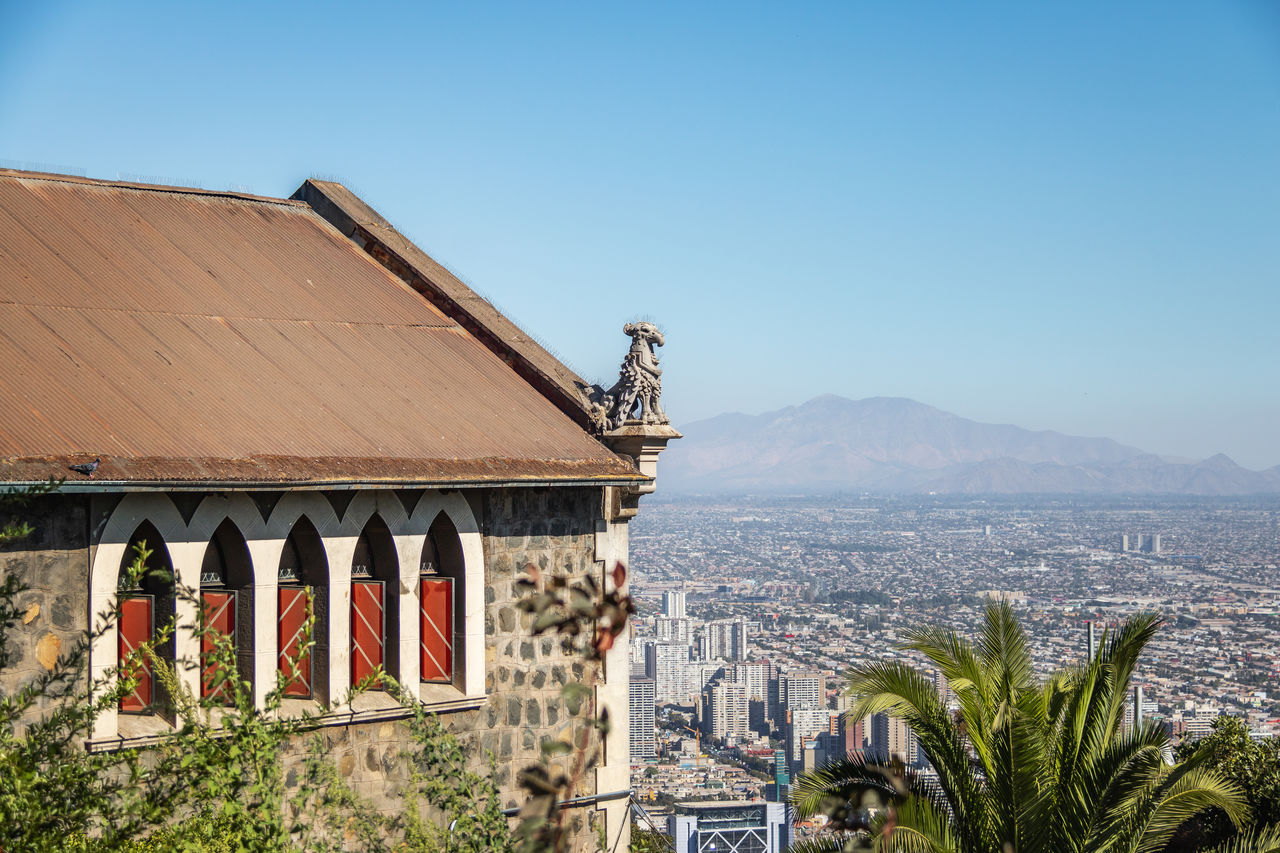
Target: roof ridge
point(54, 177)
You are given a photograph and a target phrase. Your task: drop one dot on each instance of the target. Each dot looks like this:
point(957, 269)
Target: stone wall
point(53, 562)
point(553, 529)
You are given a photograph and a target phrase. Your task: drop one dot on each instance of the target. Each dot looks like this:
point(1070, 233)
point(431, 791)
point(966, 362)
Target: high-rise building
point(813, 756)
point(801, 690)
point(644, 723)
point(725, 639)
point(779, 790)
point(1147, 543)
point(773, 699)
point(665, 664)
point(853, 733)
point(676, 629)
point(804, 725)
point(673, 604)
point(1139, 708)
point(754, 675)
point(892, 737)
point(724, 712)
point(943, 687)
point(738, 635)
point(757, 721)
point(639, 654)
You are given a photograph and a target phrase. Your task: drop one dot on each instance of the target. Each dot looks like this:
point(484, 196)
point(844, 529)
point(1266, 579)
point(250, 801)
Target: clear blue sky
point(1059, 215)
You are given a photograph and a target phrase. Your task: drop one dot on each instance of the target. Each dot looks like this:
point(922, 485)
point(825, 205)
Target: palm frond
point(1037, 767)
point(1113, 786)
point(953, 655)
point(842, 781)
point(1088, 723)
point(1196, 790)
point(923, 824)
point(832, 843)
point(1003, 651)
point(1262, 839)
point(895, 688)
point(1120, 652)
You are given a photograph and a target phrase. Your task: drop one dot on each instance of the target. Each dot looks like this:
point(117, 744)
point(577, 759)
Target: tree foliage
point(1022, 764)
point(1253, 764)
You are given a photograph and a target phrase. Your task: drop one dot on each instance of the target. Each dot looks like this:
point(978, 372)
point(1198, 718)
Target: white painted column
point(339, 550)
point(473, 614)
point(613, 692)
point(105, 648)
point(187, 558)
point(409, 554)
point(265, 556)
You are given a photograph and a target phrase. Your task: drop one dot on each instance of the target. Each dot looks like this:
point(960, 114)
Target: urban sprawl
point(750, 610)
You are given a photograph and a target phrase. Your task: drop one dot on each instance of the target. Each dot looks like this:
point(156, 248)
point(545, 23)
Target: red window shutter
point(219, 620)
point(436, 628)
point(367, 635)
point(290, 627)
point(135, 627)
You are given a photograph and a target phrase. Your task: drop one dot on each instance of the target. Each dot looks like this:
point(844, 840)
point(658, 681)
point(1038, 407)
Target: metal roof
point(192, 336)
point(346, 212)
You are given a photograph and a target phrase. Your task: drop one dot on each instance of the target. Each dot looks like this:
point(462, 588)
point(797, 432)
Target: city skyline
point(823, 586)
point(1052, 216)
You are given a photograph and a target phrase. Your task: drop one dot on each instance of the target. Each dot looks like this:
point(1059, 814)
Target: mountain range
point(892, 444)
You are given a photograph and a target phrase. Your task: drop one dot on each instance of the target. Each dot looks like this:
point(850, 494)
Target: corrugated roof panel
point(193, 253)
point(187, 335)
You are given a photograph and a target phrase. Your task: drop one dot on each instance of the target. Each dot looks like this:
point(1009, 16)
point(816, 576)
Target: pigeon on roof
point(87, 468)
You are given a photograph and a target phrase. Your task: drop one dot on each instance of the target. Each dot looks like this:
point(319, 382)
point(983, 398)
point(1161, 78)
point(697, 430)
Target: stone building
point(282, 394)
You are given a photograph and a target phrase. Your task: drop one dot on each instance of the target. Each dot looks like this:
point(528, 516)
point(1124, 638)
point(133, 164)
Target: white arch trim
point(104, 579)
point(187, 542)
point(455, 507)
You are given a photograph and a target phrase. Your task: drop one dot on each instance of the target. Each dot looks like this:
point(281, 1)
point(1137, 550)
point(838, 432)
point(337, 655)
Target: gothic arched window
point(303, 672)
point(440, 579)
point(146, 604)
point(374, 610)
point(226, 601)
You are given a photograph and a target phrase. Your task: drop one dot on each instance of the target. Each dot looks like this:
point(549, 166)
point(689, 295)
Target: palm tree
point(1022, 765)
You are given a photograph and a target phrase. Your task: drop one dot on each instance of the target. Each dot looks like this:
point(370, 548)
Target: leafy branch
point(588, 619)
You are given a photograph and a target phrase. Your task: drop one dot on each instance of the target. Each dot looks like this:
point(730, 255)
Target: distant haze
point(892, 444)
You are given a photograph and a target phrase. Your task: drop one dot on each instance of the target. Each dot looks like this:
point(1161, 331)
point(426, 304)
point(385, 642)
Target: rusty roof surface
point(350, 215)
point(185, 335)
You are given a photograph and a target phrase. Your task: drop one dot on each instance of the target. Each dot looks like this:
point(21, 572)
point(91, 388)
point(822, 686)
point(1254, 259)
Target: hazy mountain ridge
point(892, 444)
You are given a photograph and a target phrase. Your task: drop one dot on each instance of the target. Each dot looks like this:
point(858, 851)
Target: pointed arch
point(370, 502)
point(226, 600)
point(111, 546)
point(145, 616)
point(442, 578)
point(447, 553)
point(375, 586)
point(303, 582)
